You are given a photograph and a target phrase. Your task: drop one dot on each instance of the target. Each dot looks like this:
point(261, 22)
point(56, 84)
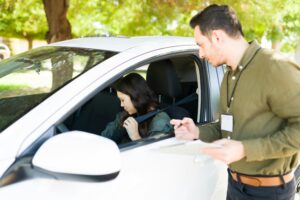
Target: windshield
point(28, 78)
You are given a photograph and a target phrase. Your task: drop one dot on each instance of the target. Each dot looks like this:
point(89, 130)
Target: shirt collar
point(248, 55)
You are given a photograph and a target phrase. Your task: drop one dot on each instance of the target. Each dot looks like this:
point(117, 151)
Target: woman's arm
point(114, 130)
point(160, 124)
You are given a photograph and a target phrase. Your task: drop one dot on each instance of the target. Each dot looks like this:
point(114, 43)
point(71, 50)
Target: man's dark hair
point(217, 17)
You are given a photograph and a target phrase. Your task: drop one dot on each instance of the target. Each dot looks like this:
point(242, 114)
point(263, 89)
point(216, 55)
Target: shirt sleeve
point(210, 132)
point(160, 124)
point(284, 101)
point(113, 130)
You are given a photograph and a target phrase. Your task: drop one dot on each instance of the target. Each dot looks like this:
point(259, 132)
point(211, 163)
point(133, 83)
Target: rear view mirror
point(79, 155)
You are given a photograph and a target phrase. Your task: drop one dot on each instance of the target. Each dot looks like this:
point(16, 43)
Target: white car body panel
point(136, 181)
point(120, 44)
point(5, 163)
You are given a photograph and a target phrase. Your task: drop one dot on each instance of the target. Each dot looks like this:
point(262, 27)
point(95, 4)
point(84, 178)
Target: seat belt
point(148, 115)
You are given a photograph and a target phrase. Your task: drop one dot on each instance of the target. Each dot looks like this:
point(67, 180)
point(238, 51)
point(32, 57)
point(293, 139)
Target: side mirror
point(79, 155)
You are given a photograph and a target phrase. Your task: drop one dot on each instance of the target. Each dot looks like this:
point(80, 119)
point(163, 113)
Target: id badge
point(227, 123)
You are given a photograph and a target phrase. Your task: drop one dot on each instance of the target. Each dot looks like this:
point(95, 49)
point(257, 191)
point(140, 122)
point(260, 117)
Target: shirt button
point(241, 67)
point(233, 78)
point(231, 99)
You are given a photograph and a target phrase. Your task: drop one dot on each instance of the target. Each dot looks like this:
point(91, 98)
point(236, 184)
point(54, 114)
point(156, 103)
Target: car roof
point(119, 44)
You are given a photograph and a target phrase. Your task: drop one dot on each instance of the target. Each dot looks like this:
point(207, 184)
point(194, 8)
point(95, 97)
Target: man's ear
point(217, 36)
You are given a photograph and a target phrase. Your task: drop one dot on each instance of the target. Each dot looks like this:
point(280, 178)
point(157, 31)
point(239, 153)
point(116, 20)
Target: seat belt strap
point(148, 115)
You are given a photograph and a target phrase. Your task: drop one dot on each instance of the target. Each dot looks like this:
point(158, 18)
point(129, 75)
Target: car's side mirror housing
point(79, 155)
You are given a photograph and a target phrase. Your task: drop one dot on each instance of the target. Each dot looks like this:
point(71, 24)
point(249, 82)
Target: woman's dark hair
point(217, 17)
point(142, 97)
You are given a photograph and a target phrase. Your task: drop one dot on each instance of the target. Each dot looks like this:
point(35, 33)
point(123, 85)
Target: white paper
point(187, 148)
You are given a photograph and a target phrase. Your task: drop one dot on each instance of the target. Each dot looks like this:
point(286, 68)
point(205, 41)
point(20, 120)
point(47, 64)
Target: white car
point(56, 99)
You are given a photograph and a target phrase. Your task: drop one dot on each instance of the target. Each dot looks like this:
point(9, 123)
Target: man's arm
point(186, 129)
point(283, 82)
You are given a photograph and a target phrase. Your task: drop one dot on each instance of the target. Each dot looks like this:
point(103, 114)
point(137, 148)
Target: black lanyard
point(233, 91)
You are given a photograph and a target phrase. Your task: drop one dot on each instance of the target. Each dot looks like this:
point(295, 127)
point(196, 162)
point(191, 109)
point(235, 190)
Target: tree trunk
point(30, 42)
point(59, 29)
point(58, 24)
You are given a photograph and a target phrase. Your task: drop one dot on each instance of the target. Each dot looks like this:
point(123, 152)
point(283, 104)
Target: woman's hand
point(131, 126)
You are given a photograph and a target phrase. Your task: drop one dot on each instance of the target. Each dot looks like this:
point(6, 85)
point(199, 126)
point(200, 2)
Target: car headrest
point(162, 79)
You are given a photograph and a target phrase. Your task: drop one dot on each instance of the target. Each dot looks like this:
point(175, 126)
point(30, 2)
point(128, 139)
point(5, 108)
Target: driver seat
point(163, 80)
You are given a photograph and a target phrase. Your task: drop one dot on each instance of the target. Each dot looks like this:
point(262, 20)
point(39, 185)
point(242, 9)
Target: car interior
point(171, 79)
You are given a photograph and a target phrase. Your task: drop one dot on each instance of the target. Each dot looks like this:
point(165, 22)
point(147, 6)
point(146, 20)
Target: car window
point(97, 113)
point(27, 79)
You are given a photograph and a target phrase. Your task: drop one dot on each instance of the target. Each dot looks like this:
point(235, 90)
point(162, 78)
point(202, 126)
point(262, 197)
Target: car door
point(155, 173)
point(150, 172)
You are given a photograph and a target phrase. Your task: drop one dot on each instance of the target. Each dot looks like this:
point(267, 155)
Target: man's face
point(208, 48)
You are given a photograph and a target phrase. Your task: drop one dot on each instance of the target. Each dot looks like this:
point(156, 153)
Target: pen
point(176, 127)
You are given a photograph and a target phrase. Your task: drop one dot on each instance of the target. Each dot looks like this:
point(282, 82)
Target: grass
point(13, 87)
point(12, 90)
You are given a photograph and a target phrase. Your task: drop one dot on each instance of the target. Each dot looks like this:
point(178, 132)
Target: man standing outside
point(260, 110)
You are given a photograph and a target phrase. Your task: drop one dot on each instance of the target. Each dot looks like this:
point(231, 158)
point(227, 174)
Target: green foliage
point(277, 20)
point(22, 19)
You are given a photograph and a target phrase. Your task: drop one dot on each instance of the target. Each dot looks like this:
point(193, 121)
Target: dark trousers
point(240, 191)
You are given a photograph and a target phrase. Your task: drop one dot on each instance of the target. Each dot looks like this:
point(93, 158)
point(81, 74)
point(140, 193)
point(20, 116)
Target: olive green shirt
point(265, 110)
point(159, 124)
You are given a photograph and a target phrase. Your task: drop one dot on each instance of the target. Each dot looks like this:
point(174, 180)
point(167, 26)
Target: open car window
point(104, 106)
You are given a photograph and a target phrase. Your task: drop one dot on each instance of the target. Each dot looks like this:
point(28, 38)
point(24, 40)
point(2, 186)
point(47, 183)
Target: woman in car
point(137, 99)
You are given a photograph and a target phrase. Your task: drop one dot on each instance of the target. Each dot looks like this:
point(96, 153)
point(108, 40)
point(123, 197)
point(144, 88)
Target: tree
point(277, 20)
point(22, 19)
point(59, 29)
point(170, 17)
point(291, 25)
point(58, 24)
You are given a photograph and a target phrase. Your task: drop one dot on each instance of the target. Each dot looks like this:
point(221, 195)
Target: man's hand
point(131, 126)
point(185, 129)
point(229, 151)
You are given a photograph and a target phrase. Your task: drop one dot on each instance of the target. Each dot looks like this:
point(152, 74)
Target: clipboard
point(187, 148)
